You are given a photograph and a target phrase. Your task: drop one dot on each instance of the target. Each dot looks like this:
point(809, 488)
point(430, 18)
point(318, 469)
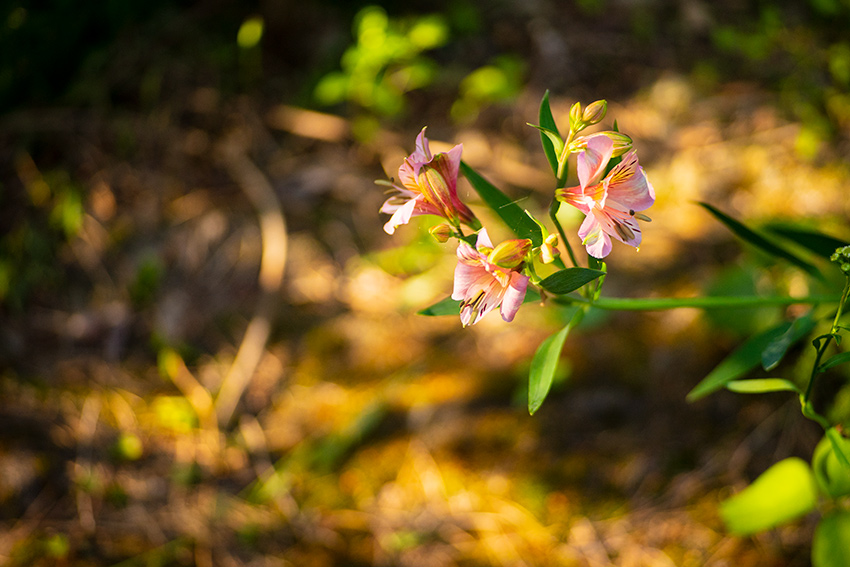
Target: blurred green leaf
point(545, 363)
point(772, 355)
point(835, 360)
point(742, 360)
point(250, 32)
point(784, 492)
point(513, 215)
point(762, 386)
point(831, 475)
point(839, 445)
point(759, 241)
point(569, 280)
point(831, 543)
point(817, 242)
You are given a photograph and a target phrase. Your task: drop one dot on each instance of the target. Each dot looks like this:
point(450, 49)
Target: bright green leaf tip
point(784, 492)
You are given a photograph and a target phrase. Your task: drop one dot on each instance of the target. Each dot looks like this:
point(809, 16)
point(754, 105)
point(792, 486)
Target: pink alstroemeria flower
point(611, 204)
point(428, 187)
point(487, 277)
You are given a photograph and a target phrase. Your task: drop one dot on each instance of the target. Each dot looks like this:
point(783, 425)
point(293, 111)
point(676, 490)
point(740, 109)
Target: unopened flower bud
point(441, 232)
point(510, 253)
point(548, 250)
point(594, 112)
point(575, 116)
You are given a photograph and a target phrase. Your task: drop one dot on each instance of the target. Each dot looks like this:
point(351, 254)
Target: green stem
point(665, 303)
point(824, 344)
point(553, 214)
point(565, 153)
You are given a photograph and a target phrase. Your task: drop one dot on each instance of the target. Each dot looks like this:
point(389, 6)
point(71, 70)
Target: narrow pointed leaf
point(762, 386)
point(821, 244)
point(545, 363)
point(513, 215)
point(775, 351)
point(447, 306)
point(569, 280)
point(835, 360)
point(554, 139)
point(747, 234)
point(741, 361)
point(547, 122)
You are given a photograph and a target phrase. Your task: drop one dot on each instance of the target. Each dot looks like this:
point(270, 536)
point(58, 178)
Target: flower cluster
point(612, 192)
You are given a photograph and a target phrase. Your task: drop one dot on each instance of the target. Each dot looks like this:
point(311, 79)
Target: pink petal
point(423, 151)
point(514, 296)
point(592, 161)
point(465, 277)
point(596, 240)
point(401, 216)
point(484, 239)
point(628, 185)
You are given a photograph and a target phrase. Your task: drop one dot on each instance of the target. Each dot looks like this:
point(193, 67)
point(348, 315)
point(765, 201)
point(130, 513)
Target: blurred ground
point(135, 204)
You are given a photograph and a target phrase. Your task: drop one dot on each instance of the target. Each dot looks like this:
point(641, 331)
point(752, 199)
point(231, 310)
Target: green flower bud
point(441, 232)
point(510, 253)
point(841, 256)
point(595, 112)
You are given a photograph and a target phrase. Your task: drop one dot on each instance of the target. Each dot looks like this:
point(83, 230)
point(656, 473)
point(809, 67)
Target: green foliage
point(784, 492)
point(740, 362)
point(500, 81)
point(832, 476)
point(47, 217)
point(385, 62)
point(545, 363)
point(769, 246)
point(517, 220)
point(809, 62)
point(831, 543)
point(569, 279)
point(762, 386)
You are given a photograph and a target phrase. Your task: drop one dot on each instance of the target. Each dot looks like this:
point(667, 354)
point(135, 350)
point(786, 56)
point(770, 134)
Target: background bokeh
point(209, 349)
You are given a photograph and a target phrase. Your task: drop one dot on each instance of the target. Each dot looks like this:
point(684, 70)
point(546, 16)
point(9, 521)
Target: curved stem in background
point(273, 233)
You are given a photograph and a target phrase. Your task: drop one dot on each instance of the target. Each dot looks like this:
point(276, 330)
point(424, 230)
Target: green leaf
point(835, 360)
point(759, 241)
point(821, 244)
point(742, 360)
point(554, 138)
point(569, 280)
point(831, 475)
point(839, 445)
point(784, 492)
point(762, 385)
point(447, 306)
point(545, 363)
point(831, 543)
point(513, 215)
point(547, 122)
point(775, 351)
